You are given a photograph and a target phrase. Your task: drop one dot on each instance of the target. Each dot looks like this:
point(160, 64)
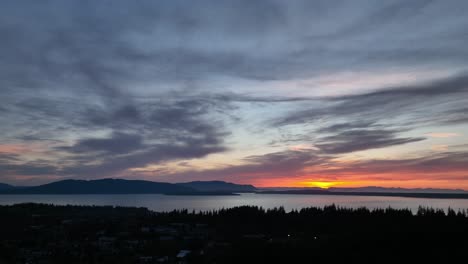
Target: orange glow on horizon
point(322, 184)
point(457, 181)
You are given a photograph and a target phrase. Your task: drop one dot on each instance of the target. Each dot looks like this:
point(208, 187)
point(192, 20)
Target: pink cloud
point(442, 135)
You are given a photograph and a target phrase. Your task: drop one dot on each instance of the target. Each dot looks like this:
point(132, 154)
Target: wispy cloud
point(440, 148)
point(442, 135)
point(357, 140)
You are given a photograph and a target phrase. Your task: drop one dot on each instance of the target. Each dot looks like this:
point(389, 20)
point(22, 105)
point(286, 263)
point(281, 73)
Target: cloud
point(154, 154)
point(357, 140)
point(166, 131)
point(340, 127)
point(13, 164)
point(109, 86)
point(296, 167)
point(446, 163)
point(118, 143)
point(6, 158)
point(14, 148)
point(303, 147)
point(91, 46)
point(440, 148)
point(442, 135)
point(422, 104)
point(27, 169)
point(289, 163)
point(341, 138)
point(128, 136)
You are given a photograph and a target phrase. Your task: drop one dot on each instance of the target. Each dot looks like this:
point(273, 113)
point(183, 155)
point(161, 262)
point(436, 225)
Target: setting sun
point(321, 184)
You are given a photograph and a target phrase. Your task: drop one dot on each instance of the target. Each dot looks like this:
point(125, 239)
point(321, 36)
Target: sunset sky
point(270, 93)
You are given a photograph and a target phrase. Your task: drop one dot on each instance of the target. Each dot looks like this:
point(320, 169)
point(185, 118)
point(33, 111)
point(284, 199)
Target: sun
point(322, 184)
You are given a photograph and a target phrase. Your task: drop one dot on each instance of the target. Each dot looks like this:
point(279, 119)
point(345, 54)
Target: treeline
point(331, 210)
point(335, 234)
point(238, 211)
point(249, 234)
point(329, 219)
point(253, 219)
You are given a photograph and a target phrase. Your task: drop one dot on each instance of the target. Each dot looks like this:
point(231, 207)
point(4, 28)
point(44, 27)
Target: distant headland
point(122, 186)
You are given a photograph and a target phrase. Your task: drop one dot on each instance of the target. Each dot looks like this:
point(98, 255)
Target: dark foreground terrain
point(37, 233)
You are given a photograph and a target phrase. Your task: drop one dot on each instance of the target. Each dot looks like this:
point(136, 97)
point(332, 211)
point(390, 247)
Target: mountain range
point(218, 186)
point(121, 186)
point(4, 186)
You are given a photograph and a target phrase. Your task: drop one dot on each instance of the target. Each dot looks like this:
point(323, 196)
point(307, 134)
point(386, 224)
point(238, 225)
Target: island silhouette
point(122, 186)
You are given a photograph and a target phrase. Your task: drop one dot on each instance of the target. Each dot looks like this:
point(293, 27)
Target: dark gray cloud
point(428, 102)
point(357, 140)
point(103, 47)
point(100, 47)
point(9, 157)
point(341, 138)
point(153, 154)
point(117, 143)
point(452, 85)
point(340, 127)
point(13, 164)
point(105, 117)
point(456, 116)
point(27, 169)
point(375, 119)
point(131, 135)
point(445, 165)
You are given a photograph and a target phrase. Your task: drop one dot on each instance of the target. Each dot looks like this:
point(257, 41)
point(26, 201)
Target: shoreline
point(461, 196)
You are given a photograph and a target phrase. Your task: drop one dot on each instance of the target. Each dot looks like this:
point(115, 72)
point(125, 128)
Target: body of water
point(158, 202)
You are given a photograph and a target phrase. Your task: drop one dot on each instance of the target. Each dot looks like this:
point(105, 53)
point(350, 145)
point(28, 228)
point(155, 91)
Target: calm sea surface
point(157, 202)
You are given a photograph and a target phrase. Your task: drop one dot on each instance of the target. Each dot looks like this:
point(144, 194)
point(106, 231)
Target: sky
point(270, 93)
